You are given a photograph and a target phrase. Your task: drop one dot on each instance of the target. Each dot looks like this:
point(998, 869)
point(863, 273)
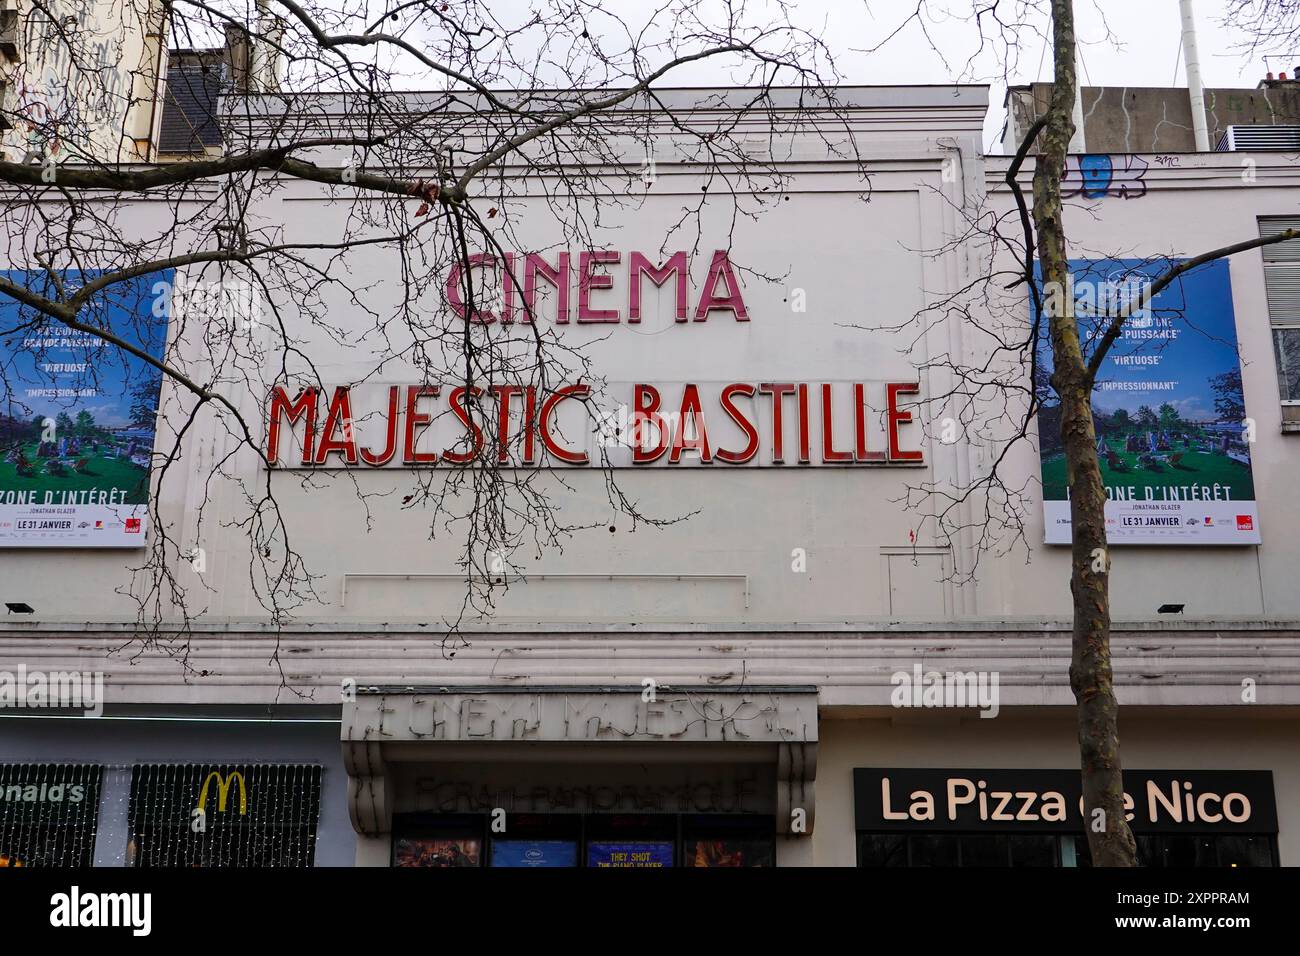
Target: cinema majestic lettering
point(499, 278)
point(735, 423)
point(638, 423)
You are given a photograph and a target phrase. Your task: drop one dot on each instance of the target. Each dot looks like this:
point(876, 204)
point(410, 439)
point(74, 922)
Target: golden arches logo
point(223, 791)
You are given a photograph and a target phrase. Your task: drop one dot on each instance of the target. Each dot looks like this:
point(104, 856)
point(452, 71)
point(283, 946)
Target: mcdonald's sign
point(223, 791)
point(183, 814)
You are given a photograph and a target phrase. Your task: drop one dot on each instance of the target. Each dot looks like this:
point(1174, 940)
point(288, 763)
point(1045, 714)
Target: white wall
point(105, 98)
point(858, 263)
point(859, 258)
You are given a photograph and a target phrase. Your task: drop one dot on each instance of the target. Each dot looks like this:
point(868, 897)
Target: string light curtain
point(48, 814)
point(244, 815)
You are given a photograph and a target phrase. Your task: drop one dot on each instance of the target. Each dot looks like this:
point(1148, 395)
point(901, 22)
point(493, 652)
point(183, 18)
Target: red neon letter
point(720, 270)
point(860, 422)
point(700, 443)
point(457, 401)
point(589, 282)
point(805, 455)
point(417, 419)
point(639, 265)
point(508, 289)
point(390, 448)
point(302, 406)
point(559, 395)
point(535, 265)
point(339, 415)
point(645, 408)
point(896, 418)
point(829, 453)
point(737, 416)
point(530, 423)
point(476, 293)
point(503, 394)
point(778, 391)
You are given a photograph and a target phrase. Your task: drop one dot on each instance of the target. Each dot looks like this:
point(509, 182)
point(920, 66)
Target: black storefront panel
point(908, 817)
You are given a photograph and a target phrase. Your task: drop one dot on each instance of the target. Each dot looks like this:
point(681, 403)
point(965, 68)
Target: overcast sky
point(1148, 34)
point(1122, 42)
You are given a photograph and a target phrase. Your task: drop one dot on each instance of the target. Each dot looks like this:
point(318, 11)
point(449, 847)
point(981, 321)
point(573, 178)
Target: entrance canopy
point(402, 744)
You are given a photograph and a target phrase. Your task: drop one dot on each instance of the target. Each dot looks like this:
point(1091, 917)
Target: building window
point(595, 840)
point(198, 815)
point(1196, 850)
point(48, 814)
point(1282, 286)
point(945, 849)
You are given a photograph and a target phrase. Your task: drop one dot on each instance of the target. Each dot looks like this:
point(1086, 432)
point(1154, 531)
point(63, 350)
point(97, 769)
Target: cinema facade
point(794, 675)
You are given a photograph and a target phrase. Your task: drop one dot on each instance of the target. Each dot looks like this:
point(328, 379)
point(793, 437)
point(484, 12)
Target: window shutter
point(1282, 285)
point(1283, 251)
point(1282, 271)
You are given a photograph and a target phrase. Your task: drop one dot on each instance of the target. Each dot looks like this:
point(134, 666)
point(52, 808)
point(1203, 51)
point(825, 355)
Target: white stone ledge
point(1176, 668)
point(12, 625)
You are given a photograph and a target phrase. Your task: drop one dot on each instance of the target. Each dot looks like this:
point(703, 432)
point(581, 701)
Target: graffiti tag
point(1096, 175)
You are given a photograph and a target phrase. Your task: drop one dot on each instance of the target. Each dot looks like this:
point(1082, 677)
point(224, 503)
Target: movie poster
point(535, 854)
point(734, 852)
point(1168, 406)
point(437, 853)
point(648, 855)
point(78, 416)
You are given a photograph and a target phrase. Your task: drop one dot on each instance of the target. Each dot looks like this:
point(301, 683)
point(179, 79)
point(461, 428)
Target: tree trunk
point(1097, 711)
